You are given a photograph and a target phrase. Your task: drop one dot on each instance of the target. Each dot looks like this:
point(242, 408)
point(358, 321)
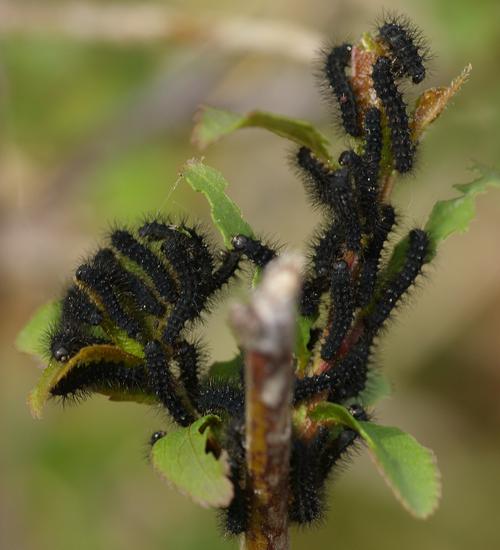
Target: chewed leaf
point(434, 101)
point(454, 215)
point(225, 213)
point(55, 371)
point(184, 459)
point(30, 338)
point(450, 216)
point(213, 124)
point(407, 467)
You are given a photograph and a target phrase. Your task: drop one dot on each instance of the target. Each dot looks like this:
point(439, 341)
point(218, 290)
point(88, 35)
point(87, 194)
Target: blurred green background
point(96, 107)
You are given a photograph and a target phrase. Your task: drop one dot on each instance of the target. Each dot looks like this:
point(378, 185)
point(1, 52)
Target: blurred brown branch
point(266, 331)
point(144, 22)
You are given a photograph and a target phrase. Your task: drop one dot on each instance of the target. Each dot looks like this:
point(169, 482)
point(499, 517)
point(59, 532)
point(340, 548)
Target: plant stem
point(266, 331)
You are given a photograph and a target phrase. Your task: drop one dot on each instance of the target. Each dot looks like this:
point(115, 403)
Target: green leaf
point(449, 216)
point(225, 213)
point(55, 371)
point(397, 258)
point(454, 215)
point(331, 412)
point(182, 457)
point(227, 371)
point(408, 468)
point(302, 353)
point(122, 340)
point(214, 124)
point(41, 392)
point(30, 338)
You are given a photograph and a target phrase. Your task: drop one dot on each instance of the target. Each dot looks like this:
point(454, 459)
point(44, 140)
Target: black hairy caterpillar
point(312, 290)
point(156, 436)
point(152, 284)
point(311, 463)
point(343, 310)
point(393, 290)
point(407, 47)
point(101, 376)
point(259, 253)
point(108, 291)
point(189, 359)
point(100, 279)
point(69, 338)
point(332, 189)
point(164, 385)
point(368, 187)
point(335, 64)
point(347, 379)
point(384, 223)
point(403, 149)
point(235, 516)
point(326, 248)
point(316, 177)
point(373, 143)
point(127, 245)
point(140, 293)
point(344, 206)
point(77, 305)
point(220, 398)
point(306, 478)
point(107, 288)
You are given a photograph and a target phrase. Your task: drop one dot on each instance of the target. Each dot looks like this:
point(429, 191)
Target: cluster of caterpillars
point(153, 283)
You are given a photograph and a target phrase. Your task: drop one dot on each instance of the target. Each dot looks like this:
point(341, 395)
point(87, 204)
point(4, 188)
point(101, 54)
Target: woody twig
point(266, 330)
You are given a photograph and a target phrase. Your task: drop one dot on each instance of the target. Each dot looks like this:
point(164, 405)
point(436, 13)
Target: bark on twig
point(266, 331)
